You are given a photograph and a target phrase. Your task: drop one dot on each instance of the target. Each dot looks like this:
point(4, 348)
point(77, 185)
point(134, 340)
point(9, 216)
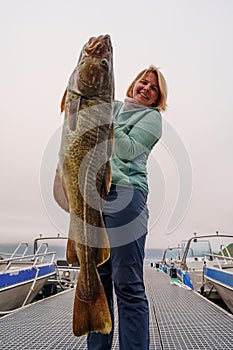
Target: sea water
point(151, 254)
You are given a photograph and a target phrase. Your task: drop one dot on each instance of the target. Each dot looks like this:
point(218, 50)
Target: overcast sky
point(191, 42)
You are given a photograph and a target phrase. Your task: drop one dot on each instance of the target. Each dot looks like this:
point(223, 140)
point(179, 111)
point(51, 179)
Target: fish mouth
point(98, 45)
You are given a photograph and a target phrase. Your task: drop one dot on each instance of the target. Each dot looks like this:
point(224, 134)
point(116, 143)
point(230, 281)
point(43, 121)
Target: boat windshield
point(173, 253)
point(198, 248)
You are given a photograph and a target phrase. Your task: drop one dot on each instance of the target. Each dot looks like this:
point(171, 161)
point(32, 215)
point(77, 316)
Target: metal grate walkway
point(186, 320)
point(179, 319)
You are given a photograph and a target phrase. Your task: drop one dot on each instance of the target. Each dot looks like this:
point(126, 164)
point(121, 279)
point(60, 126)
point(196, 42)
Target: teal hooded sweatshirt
point(136, 132)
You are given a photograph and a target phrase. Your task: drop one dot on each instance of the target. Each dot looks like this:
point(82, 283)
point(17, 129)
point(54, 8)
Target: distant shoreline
point(151, 254)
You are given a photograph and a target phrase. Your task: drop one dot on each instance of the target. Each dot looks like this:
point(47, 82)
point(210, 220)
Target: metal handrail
point(33, 256)
point(32, 287)
point(13, 255)
point(219, 257)
point(46, 238)
point(45, 251)
point(17, 248)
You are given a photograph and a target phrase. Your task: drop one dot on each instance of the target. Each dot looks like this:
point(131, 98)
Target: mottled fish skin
point(83, 178)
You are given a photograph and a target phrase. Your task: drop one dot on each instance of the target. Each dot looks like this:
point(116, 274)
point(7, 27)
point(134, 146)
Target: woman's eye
point(154, 88)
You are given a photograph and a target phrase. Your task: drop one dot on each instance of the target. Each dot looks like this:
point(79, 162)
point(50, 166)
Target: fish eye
point(104, 62)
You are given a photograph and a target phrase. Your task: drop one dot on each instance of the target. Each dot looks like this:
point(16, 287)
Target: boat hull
point(222, 280)
point(20, 287)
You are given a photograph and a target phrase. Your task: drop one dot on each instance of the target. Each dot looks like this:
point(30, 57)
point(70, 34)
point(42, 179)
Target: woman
point(137, 128)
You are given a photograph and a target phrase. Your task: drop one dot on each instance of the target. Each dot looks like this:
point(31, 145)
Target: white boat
point(198, 254)
point(170, 260)
point(220, 276)
point(190, 268)
point(22, 276)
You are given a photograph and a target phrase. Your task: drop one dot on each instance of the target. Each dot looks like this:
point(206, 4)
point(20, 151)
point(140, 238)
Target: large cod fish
point(83, 178)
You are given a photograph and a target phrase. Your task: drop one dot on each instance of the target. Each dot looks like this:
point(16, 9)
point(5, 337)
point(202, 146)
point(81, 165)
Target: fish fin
point(103, 253)
point(71, 252)
point(111, 140)
point(62, 106)
point(91, 315)
point(73, 113)
point(107, 180)
point(108, 170)
point(72, 244)
point(59, 191)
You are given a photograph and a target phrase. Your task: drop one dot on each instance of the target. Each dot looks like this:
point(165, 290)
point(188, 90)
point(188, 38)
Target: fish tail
point(91, 315)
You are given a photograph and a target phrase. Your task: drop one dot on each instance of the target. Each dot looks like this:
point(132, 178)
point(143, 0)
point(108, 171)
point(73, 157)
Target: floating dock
point(179, 319)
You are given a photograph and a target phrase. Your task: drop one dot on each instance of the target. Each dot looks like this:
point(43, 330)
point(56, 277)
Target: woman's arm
point(141, 137)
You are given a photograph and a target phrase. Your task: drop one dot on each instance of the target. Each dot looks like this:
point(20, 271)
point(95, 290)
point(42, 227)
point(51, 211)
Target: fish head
point(93, 76)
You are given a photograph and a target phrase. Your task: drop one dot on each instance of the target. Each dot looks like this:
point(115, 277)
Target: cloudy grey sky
point(191, 41)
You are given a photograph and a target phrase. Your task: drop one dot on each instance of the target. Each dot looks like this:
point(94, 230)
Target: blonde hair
point(161, 102)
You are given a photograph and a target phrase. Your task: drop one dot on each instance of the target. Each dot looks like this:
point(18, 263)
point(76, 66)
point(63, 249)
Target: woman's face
point(146, 89)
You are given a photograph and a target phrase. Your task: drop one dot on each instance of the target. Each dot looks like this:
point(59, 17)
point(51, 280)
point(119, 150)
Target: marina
point(179, 319)
point(195, 265)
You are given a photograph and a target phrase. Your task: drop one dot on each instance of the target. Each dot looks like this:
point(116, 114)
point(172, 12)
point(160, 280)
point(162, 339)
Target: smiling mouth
point(143, 95)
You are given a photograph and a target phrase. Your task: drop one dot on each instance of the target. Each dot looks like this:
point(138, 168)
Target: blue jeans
point(124, 269)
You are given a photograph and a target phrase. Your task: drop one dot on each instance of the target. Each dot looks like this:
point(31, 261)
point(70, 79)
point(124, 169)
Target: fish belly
point(85, 169)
